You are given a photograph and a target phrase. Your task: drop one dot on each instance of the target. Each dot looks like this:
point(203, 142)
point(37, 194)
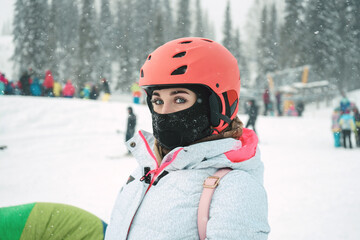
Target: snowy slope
point(68, 151)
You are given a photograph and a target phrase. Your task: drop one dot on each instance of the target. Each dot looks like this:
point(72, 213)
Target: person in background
point(48, 84)
point(136, 92)
point(335, 126)
point(192, 87)
point(357, 125)
point(94, 93)
point(35, 87)
point(278, 103)
point(131, 124)
point(57, 89)
point(2, 88)
point(266, 99)
point(347, 124)
point(106, 89)
point(69, 90)
point(86, 91)
point(253, 113)
point(25, 83)
point(3, 83)
point(300, 107)
point(344, 104)
point(10, 88)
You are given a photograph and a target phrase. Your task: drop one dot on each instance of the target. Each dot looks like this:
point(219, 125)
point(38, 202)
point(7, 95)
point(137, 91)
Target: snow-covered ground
point(69, 151)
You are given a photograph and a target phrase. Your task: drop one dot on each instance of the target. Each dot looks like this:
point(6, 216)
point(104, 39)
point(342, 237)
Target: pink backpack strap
point(209, 185)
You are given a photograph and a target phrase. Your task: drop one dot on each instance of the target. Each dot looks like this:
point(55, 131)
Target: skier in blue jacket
point(192, 87)
point(347, 125)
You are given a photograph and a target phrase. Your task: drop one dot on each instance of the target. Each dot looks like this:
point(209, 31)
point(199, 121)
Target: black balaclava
point(184, 127)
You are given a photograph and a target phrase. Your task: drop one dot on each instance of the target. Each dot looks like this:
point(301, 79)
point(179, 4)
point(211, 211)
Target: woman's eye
point(157, 101)
point(180, 100)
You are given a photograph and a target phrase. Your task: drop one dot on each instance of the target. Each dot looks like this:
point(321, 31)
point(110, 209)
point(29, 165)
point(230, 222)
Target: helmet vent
point(149, 57)
point(142, 73)
point(207, 40)
point(180, 70)
point(179, 55)
point(185, 42)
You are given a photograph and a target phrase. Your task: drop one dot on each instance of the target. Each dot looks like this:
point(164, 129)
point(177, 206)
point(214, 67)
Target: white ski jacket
point(163, 205)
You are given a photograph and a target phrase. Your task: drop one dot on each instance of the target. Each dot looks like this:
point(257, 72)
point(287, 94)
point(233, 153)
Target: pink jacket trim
point(249, 142)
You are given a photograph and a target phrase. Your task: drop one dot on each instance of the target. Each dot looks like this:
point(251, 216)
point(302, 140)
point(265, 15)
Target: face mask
point(182, 128)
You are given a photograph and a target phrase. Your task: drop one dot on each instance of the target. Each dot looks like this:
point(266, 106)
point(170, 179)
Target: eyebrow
point(172, 93)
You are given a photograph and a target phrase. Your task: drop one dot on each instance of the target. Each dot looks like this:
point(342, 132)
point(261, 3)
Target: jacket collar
point(228, 152)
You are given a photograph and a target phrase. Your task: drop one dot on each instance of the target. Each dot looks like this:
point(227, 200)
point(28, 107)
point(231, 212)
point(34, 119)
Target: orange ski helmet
point(199, 61)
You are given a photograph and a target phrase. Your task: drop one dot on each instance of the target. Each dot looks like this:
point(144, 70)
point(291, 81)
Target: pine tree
point(30, 35)
point(88, 45)
point(227, 29)
point(272, 42)
point(262, 43)
point(124, 44)
point(67, 36)
point(106, 39)
point(169, 20)
point(142, 31)
point(51, 46)
point(183, 27)
point(199, 22)
point(291, 43)
point(240, 56)
point(40, 40)
point(350, 32)
point(20, 37)
point(316, 27)
point(159, 37)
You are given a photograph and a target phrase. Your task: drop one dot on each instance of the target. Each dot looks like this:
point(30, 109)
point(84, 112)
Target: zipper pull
point(147, 176)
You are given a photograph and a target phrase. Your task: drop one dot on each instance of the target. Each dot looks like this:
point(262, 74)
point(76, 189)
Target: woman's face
point(172, 100)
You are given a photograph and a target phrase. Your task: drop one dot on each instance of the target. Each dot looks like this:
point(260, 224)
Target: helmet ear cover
point(216, 110)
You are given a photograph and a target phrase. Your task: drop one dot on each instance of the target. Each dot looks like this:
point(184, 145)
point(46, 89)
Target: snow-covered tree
point(30, 35)
point(199, 21)
point(20, 37)
point(67, 35)
point(88, 45)
point(273, 40)
point(142, 31)
point(168, 18)
point(227, 29)
point(51, 46)
point(159, 38)
point(262, 43)
point(292, 38)
point(350, 32)
point(106, 40)
point(124, 44)
point(183, 27)
point(40, 33)
point(241, 58)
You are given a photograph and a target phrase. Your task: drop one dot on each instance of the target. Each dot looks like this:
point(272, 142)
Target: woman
point(192, 87)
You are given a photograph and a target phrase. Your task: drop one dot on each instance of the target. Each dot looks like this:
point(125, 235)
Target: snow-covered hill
point(69, 151)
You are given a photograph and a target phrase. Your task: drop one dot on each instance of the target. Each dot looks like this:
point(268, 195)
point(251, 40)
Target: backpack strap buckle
point(211, 182)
